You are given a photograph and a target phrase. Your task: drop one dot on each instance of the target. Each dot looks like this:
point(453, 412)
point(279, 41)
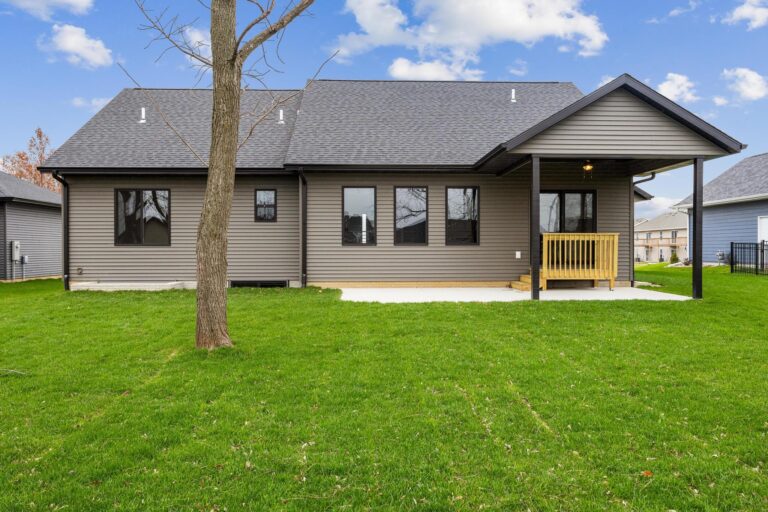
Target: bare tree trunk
point(213, 229)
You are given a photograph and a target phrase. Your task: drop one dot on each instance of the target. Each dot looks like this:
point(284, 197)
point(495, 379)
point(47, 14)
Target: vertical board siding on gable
point(38, 228)
point(503, 226)
point(619, 124)
point(257, 251)
point(728, 223)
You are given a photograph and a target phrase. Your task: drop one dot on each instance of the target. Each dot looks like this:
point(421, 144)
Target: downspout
point(303, 199)
point(65, 221)
point(632, 224)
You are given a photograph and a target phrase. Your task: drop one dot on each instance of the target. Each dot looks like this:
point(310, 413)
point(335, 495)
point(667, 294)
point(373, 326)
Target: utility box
point(25, 259)
point(15, 250)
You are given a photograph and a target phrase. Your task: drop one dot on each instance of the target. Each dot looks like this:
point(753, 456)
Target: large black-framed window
point(462, 215)
point(358, 223)
point(143, 217)
point(411, 215)
point(265, 205)
point(568, 211)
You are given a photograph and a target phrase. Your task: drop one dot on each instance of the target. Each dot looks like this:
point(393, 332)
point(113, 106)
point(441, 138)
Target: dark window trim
point(447, 187)
point(114, 217)
point(561, 192)
point(394, 215)
point(375, 211)
point(256, 206)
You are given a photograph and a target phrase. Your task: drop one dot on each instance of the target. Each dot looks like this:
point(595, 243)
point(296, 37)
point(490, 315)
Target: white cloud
point(453, 33)
point(655, 207)
point(748, 84)
point(678, 87)
point(404, 69)
point(605, 80)
point(692, 6)
point(754, 12)
point(79, 49)
point(200, 41)
point(520, 68)
point(93, 104)
point(44, 9)
point(720, 101)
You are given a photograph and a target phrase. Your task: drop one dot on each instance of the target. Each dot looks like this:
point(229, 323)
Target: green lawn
point(325, 405)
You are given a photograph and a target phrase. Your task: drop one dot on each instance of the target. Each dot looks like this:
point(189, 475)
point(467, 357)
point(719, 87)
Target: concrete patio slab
point(415, 295)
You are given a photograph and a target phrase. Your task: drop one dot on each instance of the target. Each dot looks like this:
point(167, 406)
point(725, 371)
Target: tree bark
point(211, 331)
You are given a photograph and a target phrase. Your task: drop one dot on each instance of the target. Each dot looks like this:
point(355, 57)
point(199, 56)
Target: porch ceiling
point(614, 166)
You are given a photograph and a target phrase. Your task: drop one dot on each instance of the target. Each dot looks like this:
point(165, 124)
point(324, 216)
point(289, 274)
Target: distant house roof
point(669, 220)
point(745, 181)
point(640, 221)
point(15, 189)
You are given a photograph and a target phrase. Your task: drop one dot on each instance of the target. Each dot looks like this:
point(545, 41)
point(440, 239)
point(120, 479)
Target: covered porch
point(625, 132)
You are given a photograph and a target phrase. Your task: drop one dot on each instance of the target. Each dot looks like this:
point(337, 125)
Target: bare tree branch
point(246, 49)
point(265, 12)
point(163, 116)
point(174, 33)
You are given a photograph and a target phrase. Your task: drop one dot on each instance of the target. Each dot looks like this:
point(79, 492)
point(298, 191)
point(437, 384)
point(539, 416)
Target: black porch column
point(698, 215)
point(535, 243)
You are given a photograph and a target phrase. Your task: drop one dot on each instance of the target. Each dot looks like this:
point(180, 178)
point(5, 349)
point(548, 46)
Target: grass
point(326, 405)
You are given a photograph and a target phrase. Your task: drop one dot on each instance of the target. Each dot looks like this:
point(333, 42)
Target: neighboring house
point(735, 207)
point(662, 237)
point(31, 216)
point(641, 195)
point(352, 183)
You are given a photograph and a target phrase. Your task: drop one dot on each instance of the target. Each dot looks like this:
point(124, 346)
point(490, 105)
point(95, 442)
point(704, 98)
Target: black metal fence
point(749, 258)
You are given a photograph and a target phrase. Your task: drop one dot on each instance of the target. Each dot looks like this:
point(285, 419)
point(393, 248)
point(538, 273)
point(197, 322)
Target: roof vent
point(143, 115)
point(513, 97)
point(280, 117)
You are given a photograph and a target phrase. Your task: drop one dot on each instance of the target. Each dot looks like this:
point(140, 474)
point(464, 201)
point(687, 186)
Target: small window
point(410, 215)
point(358, 216)
point(462, 211)
point(567, 212)
point(142, 217)
point(266, 205)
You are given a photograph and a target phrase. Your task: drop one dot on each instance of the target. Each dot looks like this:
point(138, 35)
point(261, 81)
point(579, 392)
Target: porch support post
point(698, 215)
point(535, 247)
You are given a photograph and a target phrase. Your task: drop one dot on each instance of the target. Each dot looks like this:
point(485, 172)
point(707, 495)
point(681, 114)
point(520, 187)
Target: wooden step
point(526, 278)
point(520, 285)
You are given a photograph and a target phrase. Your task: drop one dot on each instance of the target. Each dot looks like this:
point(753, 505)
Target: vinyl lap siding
point(619, 124)
point(3, 243)
point(38, 228)
point(729, 223)
point(503, 227)
point(257, 251)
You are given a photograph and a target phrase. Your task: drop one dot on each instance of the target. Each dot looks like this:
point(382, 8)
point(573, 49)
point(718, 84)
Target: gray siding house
point(31, 216)
point(377, 183)
point(735, 207)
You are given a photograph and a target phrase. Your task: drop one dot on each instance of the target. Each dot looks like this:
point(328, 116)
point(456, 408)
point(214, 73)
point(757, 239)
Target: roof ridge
point(205, 89)
point(393, 81)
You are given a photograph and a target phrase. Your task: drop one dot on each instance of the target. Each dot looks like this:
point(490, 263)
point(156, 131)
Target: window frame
point(256, 206)
point(394, 217)
point(375, 211)
point(448, 187)
point(140, 191)
point(561, 193)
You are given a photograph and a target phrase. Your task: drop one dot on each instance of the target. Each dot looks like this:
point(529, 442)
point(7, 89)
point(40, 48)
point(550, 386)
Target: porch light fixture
point(588, 167)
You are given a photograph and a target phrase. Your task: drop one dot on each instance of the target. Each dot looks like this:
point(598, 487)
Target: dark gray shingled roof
point(339, 122)
point(114, 138)
point(417, 123)
point(748, 178)
point(13, 188)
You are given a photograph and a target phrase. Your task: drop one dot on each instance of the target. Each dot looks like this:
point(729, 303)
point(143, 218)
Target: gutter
point(65, 220)
point(734, 200)
point(645, 180)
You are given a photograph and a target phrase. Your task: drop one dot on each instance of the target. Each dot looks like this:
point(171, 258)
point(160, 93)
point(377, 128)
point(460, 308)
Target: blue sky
point(61, 55)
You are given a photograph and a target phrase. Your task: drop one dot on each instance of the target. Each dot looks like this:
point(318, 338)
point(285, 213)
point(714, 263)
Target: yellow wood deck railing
point(572, 256)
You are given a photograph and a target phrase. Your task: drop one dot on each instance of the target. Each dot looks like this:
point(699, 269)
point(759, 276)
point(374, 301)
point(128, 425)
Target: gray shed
point(31, 216)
